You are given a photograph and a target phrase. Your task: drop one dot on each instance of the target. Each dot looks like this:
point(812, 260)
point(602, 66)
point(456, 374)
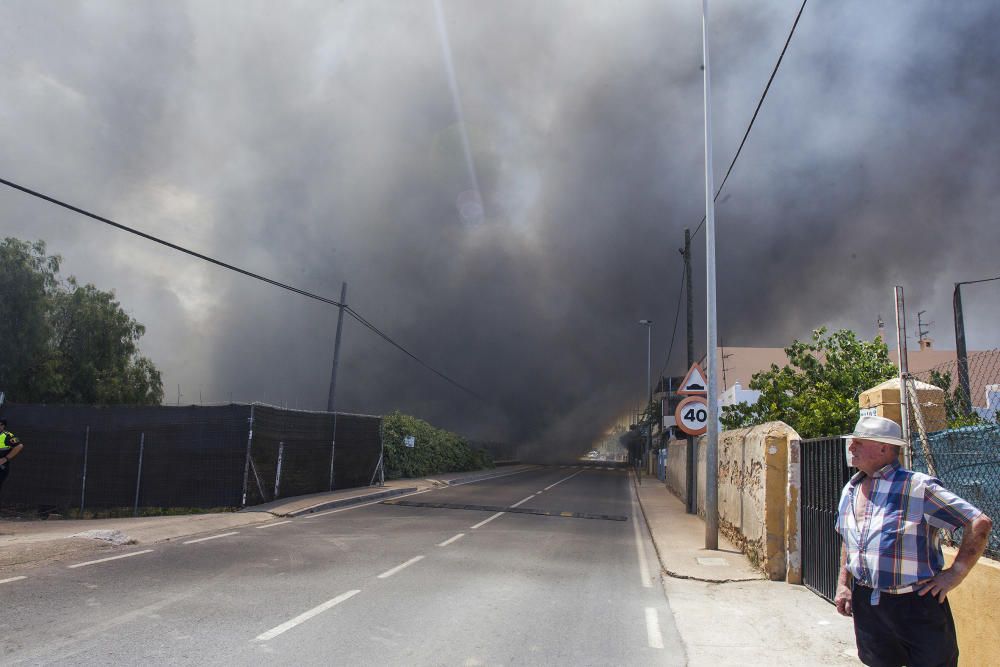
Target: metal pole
point(692, 455)
point(83, 486)
point(246, 465)
point(336, 347)
point(904, 404)
point(961, 352)
point(277, 473)
point(138, 477)
point(712, 454)
point(333, 448)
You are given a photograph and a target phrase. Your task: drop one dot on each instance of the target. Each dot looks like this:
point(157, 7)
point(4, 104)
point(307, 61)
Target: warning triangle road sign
point(694, 382)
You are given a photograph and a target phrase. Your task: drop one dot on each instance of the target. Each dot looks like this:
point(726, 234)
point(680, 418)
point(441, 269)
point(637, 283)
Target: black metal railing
point(824, 474)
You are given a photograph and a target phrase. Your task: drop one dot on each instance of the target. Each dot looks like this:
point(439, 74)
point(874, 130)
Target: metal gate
point(824, 474)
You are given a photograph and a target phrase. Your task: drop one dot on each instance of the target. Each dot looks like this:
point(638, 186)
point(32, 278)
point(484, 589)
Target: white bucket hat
point(879, 429)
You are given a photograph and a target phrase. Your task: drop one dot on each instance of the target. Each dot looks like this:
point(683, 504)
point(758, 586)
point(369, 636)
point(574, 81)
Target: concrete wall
point(977, 617)
point(753, 483)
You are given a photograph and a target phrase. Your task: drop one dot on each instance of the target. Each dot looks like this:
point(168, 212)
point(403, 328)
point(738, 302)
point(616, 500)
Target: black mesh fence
point(114, 458)
point(957, 436)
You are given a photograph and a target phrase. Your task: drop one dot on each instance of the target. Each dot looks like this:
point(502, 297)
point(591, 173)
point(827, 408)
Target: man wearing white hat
point(892, 575)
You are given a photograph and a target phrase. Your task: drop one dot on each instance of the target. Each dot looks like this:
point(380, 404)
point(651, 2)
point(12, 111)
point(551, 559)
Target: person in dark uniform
point(10, 447)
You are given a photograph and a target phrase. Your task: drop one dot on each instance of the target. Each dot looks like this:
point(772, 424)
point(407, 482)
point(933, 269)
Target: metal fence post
point(83, 486)
point(277, 474)
point(246, 464)
point(333, 448)
point(138, 476)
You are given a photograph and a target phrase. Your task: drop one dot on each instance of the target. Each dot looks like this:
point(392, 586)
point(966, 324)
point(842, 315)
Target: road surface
point(444, 577)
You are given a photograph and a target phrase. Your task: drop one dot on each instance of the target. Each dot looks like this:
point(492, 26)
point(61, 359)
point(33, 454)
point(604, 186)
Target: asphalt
point(441, 582)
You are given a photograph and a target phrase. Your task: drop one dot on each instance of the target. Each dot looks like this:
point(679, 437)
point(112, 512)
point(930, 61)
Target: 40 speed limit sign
point(692, 415)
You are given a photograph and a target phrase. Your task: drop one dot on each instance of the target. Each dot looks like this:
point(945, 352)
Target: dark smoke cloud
point(318, 143)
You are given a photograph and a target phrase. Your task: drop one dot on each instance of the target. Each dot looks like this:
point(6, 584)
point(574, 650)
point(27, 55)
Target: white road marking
point(486, 479)
point(483, 523)
point(354, 507)
point(269, 525)
point(653, 635)
point(389, 573)
point(561, 481)
point(643, 565)
point(302, 618)
point(443, 544)
point(7, 581)
point(104, 560)
point(524, 500)
point(213, 537)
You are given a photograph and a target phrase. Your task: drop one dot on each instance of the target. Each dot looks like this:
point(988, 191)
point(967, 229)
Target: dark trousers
point(3, 474)
point(908, 629)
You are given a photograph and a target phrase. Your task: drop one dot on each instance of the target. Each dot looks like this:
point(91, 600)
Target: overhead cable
point(250, 274)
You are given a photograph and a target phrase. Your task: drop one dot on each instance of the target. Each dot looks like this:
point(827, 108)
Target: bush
point(435, 450)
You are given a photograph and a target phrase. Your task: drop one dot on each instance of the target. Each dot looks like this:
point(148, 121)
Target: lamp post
point(649, 383)
point(712, 450)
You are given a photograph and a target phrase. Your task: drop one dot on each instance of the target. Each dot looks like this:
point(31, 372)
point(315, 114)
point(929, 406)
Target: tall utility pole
point(649, 383)
point(336, 348)
point(712, 454)
point(961, 352)
point(904, 373)
point(692, 456)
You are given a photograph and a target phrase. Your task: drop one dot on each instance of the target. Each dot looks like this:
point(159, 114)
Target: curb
point(345, 502)
point(663, 566)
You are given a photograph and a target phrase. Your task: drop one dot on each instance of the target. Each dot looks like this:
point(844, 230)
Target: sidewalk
point(726, 612)
point(29, 543)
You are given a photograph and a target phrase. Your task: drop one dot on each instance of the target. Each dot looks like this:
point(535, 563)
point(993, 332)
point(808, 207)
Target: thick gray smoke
point(319, 142)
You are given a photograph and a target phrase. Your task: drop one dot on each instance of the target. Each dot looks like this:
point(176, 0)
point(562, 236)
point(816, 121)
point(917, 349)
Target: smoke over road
point(320, 143)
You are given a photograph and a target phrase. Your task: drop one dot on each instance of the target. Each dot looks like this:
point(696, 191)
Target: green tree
point(66, 343)
point(816, 393)
point(956, 404)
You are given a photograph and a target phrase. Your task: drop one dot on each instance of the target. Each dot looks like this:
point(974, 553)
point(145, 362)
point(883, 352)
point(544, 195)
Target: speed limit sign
point(692, 415)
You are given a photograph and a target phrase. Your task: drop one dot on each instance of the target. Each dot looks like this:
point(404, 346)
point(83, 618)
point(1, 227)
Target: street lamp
point(649, 384)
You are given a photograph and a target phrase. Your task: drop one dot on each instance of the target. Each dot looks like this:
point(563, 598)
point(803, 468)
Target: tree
point(956, 404)
point(816, 393)
point(66, 343)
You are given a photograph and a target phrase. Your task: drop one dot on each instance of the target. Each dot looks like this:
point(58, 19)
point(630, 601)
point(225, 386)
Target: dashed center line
point(9, 580)
point(483, 523)
point(562, 480)
point(213, 537)
point(653, 635)
point(443, 544)
point(524, 500)
point(105, 560)
point(269, 525)
point(389, 573)
point(302, 618)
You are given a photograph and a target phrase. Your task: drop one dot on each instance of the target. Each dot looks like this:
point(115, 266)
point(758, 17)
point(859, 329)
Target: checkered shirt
point(896, 543)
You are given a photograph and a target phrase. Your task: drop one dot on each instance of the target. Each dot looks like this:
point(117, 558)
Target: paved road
point(377, 584)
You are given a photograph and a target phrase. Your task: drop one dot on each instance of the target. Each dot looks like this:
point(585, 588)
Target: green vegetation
point(958, 410)
point(817, 392)
point(67, 343)
point(434, 450)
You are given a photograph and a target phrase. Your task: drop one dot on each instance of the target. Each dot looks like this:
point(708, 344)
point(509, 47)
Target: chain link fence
point(956, 431)
point(120, 460)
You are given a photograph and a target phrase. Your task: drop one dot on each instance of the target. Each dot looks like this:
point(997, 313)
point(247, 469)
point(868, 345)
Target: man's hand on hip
point(940, 584)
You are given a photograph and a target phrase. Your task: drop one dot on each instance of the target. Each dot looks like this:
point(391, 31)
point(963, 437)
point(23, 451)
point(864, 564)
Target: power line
point(256, 276)
point(760, 103)
point(677, 316)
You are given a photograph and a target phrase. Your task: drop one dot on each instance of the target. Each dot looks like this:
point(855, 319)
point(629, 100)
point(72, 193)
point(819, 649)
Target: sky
point(319, 143)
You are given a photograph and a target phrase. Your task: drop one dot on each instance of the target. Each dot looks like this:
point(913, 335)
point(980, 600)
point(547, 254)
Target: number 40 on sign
point(692, 415)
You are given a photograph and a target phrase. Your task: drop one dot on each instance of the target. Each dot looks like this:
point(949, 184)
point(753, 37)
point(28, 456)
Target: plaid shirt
point(895, 544)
